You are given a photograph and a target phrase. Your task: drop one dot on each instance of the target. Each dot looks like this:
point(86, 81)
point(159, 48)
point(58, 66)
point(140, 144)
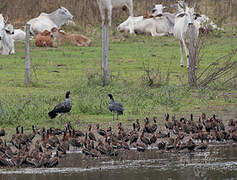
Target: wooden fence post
point(105, 54)
point(192, 43)
point(27, 55)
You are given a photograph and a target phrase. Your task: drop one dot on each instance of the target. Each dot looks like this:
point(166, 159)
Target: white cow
point(182, 22)
point(161, 24)
point(158, 10)
point(205, 22)
point(128, 25)
point(108, 5)
point(48, 21)
point(156, 26)
point(18, 35)
point(7, 43)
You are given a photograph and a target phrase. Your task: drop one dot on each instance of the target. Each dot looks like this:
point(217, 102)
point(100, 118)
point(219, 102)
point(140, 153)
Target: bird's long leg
point(117, 116)
point(113, 114)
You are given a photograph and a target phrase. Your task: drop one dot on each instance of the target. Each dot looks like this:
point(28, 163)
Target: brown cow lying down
point(44, 39)
point(62, 37)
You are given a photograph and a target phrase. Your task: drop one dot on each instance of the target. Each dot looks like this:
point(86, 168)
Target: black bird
point(63, 107)
point(115, 106)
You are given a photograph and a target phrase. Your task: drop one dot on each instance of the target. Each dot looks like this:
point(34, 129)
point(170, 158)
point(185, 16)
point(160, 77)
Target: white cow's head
point(128, 25)
point(158, 10)
point(188, 14)
point(124, 26)
point(9, 29)
point(64, 14)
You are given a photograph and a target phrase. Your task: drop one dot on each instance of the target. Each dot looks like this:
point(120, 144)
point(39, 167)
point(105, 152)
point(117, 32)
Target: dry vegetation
point(86, 11)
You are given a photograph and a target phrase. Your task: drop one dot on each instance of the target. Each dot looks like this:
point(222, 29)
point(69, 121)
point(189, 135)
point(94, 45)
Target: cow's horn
point(5, 19)
point(195, 5)
point(180, 4)
point(59, 4)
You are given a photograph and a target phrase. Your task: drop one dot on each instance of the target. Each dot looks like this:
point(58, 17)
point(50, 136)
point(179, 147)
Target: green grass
point(80, 72)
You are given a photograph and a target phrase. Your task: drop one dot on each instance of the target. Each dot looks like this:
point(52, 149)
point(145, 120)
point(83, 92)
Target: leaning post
point(192, 38)
point(105, 54)
point(27, 55)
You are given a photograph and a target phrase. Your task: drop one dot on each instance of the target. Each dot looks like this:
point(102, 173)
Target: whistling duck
point(137, 126)
point(119, 126)
point(134, 138)
point(79, 133)
point(161, 145)
point(233, 136)
point(116, 144)
point(231, 122)
point(109, 149)
point(125, 145)
point(190, 145)
point(181, 146)
point(53, 161)
point(53, 140)
point(121, 130)
point(101, 148)
point(86, 151)
point(24, 137)
point(154, 126)
point(144, 139)
point(91, 134)
point(100, 131)
point(38, 146)
point(170, 143)
point(94, 152)
point(202, 146)
point(199, 125)
point(120, 135)
point(141, 147)
point(219, 124)
point(194, 126)
point(2, 132)
point(147, 126)
point(75, 142)
point(133, 131)
point(4, 161)
point(56, 131)
point(8, 151)
point(63, 147)
point(32, 161)
point(32, 135)
point(126, 138)
point(168, 124)
point(162, 135)
point(153, 139)
point(203, 135)
point(18, 159)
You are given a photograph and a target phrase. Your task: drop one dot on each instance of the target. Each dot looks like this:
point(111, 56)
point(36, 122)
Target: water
point(218, 162)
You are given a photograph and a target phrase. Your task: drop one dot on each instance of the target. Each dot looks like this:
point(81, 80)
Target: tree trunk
point(27, 55)
point(105, 54)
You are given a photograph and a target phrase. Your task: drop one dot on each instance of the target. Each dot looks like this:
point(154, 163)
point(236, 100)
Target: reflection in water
point(216, 163)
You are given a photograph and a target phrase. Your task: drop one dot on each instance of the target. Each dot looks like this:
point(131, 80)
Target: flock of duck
point(44, 147)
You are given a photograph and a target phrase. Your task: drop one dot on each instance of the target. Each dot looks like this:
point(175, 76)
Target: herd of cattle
point(46, 28)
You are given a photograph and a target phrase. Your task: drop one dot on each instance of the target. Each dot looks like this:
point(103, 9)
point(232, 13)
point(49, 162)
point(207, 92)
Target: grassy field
point(55, 70)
